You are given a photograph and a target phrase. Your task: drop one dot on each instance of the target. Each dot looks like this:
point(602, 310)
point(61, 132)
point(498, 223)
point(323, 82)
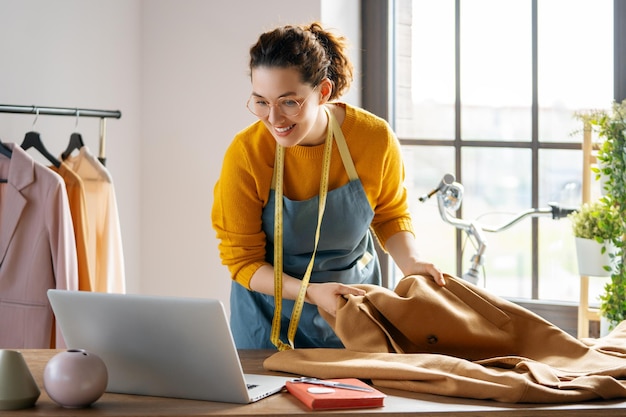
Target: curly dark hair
point(315, 52)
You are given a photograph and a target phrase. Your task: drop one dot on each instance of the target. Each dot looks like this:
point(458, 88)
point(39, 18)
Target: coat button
point(432, 339)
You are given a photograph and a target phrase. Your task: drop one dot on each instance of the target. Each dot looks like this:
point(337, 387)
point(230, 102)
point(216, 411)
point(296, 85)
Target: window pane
point(425, 70)
point(560, 173)
point(497, 185)
point(575, 72)
point(575, 62)
point(496, 70)
point(560, 176)
point(425, 166)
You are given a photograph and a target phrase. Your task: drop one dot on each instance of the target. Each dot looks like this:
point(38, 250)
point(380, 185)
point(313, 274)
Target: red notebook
point(318, 397)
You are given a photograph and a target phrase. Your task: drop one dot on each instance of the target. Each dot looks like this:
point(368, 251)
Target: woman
point(312, 155)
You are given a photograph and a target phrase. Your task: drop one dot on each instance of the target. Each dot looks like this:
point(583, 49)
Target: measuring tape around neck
point(278, 241)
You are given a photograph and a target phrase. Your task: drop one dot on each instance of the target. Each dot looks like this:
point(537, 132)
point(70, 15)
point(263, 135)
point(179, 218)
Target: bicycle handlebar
point(450, 196)
point(556, 211)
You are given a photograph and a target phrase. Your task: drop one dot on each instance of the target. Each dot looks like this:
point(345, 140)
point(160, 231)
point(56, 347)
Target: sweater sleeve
point(376, 152)
point(239, 198)
point(392, 212)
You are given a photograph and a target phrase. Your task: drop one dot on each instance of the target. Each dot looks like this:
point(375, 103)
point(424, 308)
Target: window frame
point(377, 42)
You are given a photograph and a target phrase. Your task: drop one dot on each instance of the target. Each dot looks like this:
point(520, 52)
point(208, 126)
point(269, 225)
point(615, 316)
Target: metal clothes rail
point(68, 111)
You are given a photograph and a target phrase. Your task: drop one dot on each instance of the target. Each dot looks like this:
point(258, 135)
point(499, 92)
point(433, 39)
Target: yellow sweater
point(243, 188)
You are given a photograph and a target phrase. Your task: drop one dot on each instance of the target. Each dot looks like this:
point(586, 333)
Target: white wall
point(177, 69)
point(195, 87)
point(345, 16)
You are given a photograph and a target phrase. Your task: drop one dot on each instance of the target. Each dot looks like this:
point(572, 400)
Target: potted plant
point(611, 127)
point(593, 226)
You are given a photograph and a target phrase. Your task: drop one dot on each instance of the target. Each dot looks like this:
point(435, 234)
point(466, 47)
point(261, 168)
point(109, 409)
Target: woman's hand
point(403, 249)
point(324, 295)
point(427, 268)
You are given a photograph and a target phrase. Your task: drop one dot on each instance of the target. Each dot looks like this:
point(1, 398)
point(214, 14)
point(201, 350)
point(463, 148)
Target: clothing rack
point(69, 111)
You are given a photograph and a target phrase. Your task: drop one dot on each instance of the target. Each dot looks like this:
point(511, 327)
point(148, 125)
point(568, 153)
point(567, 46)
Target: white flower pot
point(606, 326)
point(591, 260)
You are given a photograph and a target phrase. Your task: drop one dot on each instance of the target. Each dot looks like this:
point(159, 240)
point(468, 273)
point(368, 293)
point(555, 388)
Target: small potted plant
point(611, 127)
point(593, 226)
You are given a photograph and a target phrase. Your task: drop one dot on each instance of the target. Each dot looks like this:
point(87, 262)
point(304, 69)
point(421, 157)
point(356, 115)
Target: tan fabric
point(104, 245)
point(78, 209)
point(459, 340)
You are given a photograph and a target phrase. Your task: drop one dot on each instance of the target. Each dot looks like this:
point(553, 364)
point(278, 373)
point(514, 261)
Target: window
point(487, 90)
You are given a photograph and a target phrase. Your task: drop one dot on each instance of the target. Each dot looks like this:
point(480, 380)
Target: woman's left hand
point(403, 249)
point(427, 268)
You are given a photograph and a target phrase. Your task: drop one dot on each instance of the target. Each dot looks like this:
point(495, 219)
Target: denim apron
point(345, 253)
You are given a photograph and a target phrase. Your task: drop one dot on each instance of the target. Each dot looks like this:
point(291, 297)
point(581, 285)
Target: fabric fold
point(461, 341)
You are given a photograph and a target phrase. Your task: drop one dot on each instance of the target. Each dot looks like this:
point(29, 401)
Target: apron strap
point(278, 245)
point(342, 146)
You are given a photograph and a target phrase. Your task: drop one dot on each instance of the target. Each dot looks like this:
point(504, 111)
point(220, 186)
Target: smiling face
point(308, 127)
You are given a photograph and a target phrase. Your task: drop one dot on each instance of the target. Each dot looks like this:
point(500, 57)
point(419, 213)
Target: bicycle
point(449, 199)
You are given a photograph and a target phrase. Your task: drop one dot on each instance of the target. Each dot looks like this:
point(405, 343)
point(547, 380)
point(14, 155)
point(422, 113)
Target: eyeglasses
point(288, 106)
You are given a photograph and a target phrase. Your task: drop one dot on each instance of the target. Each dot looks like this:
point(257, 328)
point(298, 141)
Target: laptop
point(160, 346)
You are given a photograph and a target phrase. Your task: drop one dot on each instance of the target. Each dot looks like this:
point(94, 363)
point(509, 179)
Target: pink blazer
point(37, 250)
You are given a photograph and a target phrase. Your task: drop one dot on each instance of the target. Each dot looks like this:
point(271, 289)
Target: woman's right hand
point(324, 295)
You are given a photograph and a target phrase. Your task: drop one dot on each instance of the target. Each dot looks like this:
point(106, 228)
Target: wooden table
point(398, 403)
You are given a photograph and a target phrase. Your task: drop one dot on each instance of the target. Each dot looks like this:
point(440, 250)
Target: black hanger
point(76, 142)
point(33, 139)
point(4, 150)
